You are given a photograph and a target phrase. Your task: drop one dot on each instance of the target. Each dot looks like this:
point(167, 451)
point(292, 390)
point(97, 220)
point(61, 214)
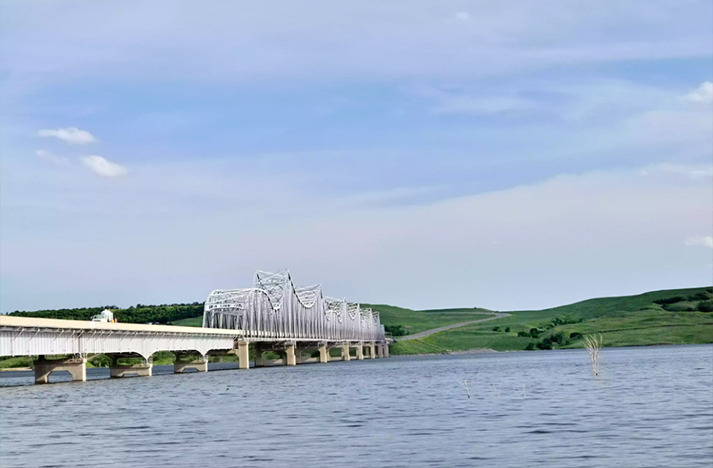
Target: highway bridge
point(273, 315)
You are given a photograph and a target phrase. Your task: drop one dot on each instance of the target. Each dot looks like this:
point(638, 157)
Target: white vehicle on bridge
point(106, 316)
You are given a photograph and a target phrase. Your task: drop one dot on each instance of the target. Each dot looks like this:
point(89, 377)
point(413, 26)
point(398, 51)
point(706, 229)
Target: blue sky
point(424, 154)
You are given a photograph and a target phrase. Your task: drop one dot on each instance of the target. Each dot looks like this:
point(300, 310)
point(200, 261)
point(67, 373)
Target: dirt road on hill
point(423, 334)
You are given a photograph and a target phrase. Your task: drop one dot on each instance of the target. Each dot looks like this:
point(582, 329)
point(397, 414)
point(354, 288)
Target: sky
point(425, 154)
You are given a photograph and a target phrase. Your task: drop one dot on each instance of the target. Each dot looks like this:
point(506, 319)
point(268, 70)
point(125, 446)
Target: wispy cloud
point(694, 171)
point(504, 37)
point(464, 102)
point(394, 196)
point(556, 238)
point(700, 241)
point(51, 158)
point(704, 93)
point(523, 92)
point(462, 16)
point(103, 167)
point(71, 135)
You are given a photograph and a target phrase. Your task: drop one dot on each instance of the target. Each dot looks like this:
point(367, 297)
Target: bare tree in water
point(594, 344)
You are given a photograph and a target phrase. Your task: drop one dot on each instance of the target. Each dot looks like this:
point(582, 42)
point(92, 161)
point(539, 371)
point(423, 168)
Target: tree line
point(162, 314)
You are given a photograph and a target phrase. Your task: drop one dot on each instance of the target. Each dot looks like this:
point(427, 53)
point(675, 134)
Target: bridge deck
point(27, 322)
point(23, 336)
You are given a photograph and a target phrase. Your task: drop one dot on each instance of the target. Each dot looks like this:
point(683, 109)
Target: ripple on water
point(649, 407)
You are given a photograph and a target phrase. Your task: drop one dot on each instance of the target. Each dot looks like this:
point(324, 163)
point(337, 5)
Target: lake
point(649, 407)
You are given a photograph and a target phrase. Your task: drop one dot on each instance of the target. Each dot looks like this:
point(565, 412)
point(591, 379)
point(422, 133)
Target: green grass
point(623, 321)
point(16, 362)
point(415, 321)
point(189, 322)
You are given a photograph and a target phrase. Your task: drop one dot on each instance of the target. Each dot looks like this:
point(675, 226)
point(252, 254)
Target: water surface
point(650, 407)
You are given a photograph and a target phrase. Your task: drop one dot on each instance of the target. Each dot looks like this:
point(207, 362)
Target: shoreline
point(489, 350)
point(444, 353)
point(449, 353)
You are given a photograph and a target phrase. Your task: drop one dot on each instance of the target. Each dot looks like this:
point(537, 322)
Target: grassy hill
point(414, 321)
point(411, 321)
point(189, 322)
point(678, 316)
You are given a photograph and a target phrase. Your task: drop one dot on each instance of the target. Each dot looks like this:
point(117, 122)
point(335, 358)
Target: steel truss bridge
point(275, 308)
point(273, 315)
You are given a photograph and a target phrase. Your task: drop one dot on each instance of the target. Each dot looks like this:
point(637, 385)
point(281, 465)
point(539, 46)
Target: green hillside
point(414, 321)
point(679, 316)
point(189, 322)
point(409, 321)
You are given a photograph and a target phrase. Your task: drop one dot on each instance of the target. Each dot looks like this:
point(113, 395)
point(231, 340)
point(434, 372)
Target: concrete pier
point(186, 361)
point(345, 352)
point(259, 360)
point(76, 366)
point(323, 352)
point(116, 370)
point(243, 355)
point(300, 355)
point(23, 336)
point(290, 358)
point(292, 355)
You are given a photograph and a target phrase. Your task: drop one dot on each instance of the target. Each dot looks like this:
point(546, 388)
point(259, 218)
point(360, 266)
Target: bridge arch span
point(275, 308)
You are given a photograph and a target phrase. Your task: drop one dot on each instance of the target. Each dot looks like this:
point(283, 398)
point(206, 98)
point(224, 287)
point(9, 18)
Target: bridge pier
point(323, 353)
point(145, 369)
point(290, 358)
point(360, 351)
point(372, 350)
point(243, 355)
point(300, 356)
point(259, 360)
point(345, 352)
point(183, 362)
point(76, 366)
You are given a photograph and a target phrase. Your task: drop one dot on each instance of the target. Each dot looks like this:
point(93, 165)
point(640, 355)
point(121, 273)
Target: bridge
point(273, 316)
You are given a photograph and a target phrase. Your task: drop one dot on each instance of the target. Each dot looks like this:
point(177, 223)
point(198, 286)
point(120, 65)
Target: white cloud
point(565, 239)
point(462, 16)
point(71, 135)
point(704, 93)
point(103, 167)
point(393, 196)
point(701, 241)
point(51, 158)
point(694, 171)
point(250, 40)
point(464, 102)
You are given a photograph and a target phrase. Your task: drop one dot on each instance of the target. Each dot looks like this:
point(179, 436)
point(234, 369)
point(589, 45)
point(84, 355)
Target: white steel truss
point(275, 308)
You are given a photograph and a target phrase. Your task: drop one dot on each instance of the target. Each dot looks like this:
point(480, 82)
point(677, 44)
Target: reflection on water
point(649, 407)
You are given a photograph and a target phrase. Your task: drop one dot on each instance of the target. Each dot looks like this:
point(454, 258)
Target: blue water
point(650, 407)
